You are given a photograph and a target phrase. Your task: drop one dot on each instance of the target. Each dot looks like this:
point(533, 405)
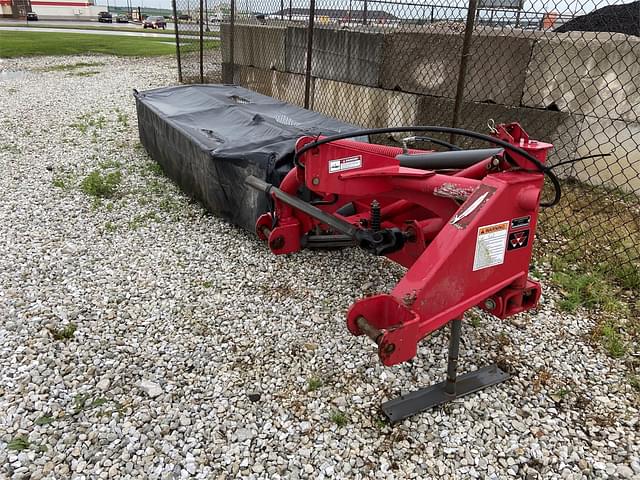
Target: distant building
point(63, 9)
point(337, 15)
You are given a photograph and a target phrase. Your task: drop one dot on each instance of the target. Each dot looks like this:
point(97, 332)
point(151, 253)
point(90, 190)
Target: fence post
point(307, 76)
point(466, 46)
point(230, 75)
point(175, 24)
point(201, 42)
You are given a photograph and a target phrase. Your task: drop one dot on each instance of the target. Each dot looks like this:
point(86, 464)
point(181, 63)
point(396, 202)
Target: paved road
point(93, 24)
point(80, 30)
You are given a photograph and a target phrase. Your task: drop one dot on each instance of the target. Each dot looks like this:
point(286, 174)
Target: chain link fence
point(568, 72)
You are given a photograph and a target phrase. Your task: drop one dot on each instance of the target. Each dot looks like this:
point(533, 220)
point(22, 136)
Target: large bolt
point(490, 304)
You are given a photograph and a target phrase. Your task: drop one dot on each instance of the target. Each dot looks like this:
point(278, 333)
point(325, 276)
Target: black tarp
point(624, 18)
point(209, 138)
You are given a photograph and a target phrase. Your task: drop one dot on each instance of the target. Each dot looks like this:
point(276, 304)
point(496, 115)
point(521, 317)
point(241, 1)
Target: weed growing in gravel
point(634, 381)
point(170, 205)
point(314, 383)
point(86, 121)
point(65, 333)
point(474, 319)
point(153, 168)
point(559, 395)
point(339, 418)
point(9, 148)
point(156, 185)
point(58, 182)
point(207, 284)
point(142, 219)
point(611, 339)
point(72, 66)
point(44, 420)
point(122, 118)
point(19, 444)
point(110, 227)
point(587, 290)
point(86, 73)
point(380, 424)
point(101, 186)
point(107, 164)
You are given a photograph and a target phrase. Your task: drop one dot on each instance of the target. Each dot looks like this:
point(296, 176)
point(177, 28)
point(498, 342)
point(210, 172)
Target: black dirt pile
point(613, 18)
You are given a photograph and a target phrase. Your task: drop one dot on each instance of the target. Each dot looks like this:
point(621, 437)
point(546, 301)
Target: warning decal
point(491, 245)
point(342, 164)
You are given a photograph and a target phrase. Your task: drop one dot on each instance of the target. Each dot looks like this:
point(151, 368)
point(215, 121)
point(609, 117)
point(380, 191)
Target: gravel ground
point(183, 321)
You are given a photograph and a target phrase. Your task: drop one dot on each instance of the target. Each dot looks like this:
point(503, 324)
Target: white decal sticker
point(342, 164)
point(469, 210)
point(491, 245)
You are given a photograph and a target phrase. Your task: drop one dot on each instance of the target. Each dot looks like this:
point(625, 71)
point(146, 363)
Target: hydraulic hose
point(435, 129)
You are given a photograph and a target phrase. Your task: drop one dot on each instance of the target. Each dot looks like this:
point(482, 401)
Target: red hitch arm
point(464, 233)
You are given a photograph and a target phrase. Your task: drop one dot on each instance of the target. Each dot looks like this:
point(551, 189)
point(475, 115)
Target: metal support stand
point(453, 387)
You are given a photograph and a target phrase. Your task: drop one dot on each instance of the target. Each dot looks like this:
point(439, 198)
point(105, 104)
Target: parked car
point(105, 17)
point(122, 18)
point(32, 16)
point(154, 22)
point(184, 17)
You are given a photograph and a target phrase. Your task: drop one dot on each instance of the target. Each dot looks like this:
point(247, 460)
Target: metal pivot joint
point(453, 387)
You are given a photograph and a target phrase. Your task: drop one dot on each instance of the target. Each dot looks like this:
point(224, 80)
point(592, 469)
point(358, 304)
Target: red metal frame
point(468, 232)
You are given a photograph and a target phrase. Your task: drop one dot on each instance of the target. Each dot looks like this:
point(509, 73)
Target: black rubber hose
point(437, 141)
point(446, 160)
point(456, 131)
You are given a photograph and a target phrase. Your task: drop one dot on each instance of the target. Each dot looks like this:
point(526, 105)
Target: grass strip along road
point(24, 44)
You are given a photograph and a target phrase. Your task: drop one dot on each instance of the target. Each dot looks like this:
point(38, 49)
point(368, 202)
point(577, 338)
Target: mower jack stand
point(453, 387)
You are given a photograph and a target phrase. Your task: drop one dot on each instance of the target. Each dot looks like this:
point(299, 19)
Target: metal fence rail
point(569, 73)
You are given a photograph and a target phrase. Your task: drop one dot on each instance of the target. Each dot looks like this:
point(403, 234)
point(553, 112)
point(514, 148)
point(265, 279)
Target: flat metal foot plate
point(407, 405)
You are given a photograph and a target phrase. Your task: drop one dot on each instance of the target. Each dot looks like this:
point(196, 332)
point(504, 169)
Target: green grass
point(44, 420)
point(25, 44)
point(634, 381)
point(19, 444)
point(65, 333)
point(611, 339)
point(100, 185)
point(339, 418)
point(86, 121)
point(120, 28)
point(314, 383)
point(473, 319)
point(142, 220)
point(588, 290)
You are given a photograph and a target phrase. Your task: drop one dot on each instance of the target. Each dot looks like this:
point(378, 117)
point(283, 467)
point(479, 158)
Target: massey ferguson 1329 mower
point(461, 221)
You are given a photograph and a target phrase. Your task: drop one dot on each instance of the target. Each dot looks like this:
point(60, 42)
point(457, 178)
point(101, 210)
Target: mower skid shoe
point(389, 323)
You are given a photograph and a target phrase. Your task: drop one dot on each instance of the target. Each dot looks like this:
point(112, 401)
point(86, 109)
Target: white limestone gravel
point(194, 346)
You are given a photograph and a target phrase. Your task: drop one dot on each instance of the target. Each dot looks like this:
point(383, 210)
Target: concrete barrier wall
point(353, 57)
point(593, 74)
point(287, 87)
point(429, 63)
point(580, 92)
point(258, 46)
